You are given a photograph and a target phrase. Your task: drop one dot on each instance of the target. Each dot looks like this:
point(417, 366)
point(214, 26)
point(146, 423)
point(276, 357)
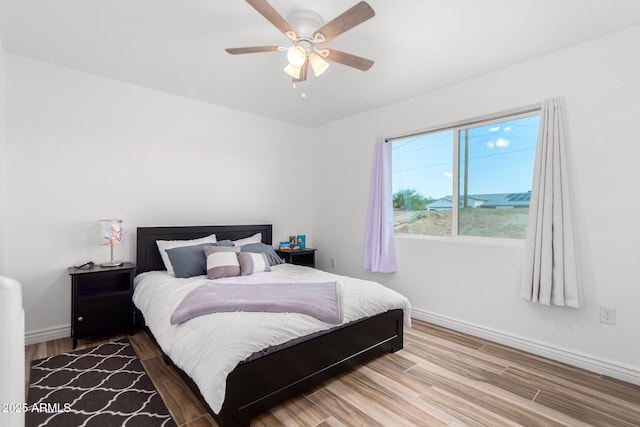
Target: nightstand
point(101, 300)
point(300, 257)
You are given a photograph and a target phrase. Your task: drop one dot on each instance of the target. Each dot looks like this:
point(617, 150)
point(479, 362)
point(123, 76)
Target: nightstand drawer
point(103, 313)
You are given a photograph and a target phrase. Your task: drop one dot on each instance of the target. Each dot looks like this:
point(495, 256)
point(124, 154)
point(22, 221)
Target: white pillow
point(163, 245)
point(256, 238)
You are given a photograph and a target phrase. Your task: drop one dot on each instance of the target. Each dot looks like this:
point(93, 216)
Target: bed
point(284, 371)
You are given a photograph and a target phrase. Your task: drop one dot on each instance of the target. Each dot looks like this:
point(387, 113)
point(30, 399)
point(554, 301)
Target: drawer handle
point(80, 318)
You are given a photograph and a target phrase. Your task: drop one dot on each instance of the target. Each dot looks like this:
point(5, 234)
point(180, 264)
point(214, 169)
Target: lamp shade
point(111, 231)
point(296, 55)
point(318, 64)
point(295, 72)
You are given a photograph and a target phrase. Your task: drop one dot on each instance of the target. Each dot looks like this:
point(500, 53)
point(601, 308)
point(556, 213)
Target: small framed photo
point(301, 241)
point(292, 242)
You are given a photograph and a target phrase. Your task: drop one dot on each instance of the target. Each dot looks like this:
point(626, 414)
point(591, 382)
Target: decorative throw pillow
point(252, 263)
point(189, 261)
point(256, 238)
point(163, 245)
point(268, 250)
point(222, 261)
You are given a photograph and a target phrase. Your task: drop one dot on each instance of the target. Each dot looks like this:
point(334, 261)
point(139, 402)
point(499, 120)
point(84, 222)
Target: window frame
point(529, 111)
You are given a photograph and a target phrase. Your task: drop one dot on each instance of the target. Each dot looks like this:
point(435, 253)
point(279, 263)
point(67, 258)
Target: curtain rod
point(471, 122)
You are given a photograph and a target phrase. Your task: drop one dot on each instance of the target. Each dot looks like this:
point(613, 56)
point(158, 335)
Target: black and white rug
point(100, 386)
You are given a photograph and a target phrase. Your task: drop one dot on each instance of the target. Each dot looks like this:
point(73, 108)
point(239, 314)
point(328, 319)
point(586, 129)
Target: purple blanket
point(320, 300)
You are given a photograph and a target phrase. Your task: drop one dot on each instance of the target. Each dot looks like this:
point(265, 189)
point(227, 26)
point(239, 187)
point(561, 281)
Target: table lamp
point(111, 233)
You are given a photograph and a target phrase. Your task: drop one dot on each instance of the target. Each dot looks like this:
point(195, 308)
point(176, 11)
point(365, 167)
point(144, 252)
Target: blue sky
point(501, 158)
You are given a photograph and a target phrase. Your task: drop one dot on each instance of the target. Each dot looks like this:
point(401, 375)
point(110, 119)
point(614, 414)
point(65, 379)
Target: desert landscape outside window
point(486, 167)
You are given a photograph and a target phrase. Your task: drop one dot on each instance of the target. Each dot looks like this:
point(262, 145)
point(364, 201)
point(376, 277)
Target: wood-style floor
point(441, 377)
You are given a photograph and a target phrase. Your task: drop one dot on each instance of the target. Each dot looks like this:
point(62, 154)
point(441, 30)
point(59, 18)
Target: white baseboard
point(584, 361)
point(47, 334)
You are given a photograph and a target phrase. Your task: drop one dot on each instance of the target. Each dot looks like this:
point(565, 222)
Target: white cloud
point(495, 129)
point(491, 144)
point(507, 129)
point(448, 174)
point(502, 143)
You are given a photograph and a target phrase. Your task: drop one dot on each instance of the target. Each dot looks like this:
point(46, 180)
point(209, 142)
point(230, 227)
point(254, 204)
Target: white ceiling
point(177, 46)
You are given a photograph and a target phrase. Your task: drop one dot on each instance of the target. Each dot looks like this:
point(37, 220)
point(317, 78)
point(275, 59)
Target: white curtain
point(380, 251)
point(550, 273)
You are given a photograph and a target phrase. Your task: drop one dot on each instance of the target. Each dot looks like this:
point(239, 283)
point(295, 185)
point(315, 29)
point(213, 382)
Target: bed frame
point(256, 386)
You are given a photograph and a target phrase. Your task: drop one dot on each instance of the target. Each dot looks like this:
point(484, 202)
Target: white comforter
point(207, 348)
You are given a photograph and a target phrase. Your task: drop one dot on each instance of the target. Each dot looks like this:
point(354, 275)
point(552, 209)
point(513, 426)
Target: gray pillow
point(271, 254)
point(189, 261)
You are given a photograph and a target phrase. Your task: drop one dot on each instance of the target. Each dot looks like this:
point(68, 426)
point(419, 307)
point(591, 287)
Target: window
point(487, 167)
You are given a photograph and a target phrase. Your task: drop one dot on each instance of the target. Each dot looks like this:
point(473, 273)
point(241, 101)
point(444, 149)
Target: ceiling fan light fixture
point(296, 55)
point(293, 71)
point(318, 64)
point(305, 28)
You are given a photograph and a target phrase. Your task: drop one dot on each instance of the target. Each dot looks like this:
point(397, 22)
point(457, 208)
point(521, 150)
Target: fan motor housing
point(305, 22)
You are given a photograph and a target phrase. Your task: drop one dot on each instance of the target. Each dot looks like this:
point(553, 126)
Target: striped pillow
point(222, 262)
point(252, 263)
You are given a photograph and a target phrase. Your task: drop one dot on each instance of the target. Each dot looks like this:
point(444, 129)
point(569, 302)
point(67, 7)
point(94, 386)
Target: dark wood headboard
point(148, 257)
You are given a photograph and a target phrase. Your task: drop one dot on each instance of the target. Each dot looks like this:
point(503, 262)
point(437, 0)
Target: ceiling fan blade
point(254, 49)
point(349, 19)
point(266, 10)
point(303, 72)
point(347, 59)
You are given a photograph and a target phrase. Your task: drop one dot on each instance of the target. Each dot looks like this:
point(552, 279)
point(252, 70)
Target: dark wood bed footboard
point(254, 387)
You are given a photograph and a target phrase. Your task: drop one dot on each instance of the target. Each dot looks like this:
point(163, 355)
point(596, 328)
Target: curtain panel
point(550, 271)
point(380, 252)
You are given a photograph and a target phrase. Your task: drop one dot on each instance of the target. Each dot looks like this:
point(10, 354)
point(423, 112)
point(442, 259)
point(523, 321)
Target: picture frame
point(301, 241)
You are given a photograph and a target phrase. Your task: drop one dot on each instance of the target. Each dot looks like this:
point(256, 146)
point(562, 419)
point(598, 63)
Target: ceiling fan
point(306, 34)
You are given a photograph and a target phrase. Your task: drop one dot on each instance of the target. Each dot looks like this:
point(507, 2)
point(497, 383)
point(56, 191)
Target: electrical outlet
point(608, 315)
point(333, 263)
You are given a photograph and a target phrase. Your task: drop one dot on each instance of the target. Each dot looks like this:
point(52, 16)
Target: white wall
point(475, 287)
point(82, 147)
point(3, 157)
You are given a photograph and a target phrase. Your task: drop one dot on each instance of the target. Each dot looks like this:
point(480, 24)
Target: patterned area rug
point(100, 386)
